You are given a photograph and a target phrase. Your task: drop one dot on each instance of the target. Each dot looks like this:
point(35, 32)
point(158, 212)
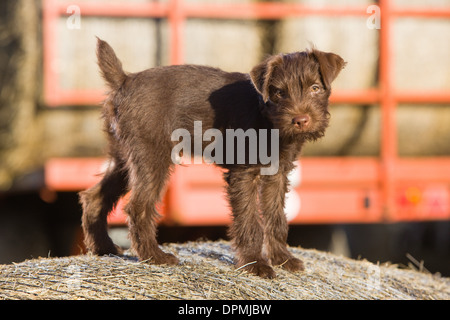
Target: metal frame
point(385, 175)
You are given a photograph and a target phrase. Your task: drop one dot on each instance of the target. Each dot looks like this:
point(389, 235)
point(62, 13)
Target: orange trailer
point(387, 188)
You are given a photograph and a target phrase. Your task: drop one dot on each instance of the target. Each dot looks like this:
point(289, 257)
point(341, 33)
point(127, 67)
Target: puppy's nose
point(301, 121)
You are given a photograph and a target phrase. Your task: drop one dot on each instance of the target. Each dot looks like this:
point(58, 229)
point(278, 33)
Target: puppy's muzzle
point(301, 121)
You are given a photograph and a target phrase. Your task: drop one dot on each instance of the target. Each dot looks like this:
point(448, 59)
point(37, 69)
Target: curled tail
point(110, 65)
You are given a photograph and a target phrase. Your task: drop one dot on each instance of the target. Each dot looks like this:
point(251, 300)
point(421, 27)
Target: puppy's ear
point(330, 65)
point(260, 74)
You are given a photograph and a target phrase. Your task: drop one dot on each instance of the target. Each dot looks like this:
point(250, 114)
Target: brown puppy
point(279, 106)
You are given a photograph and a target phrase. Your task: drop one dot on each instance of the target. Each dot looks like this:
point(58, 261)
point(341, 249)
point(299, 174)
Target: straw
point(206, 271)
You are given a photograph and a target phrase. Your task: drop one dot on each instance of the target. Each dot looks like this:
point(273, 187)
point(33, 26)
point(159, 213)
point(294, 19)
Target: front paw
point(293, 265)
point(259, 268)
point(169, 259)
point(107, 249)
point(287, 261)
point(161, 258)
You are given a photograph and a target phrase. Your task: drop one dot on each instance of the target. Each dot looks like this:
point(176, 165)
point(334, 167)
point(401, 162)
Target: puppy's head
point(295, 88)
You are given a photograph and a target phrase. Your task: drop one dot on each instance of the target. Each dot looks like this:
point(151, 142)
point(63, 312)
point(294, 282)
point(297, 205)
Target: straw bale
point(206, 271)
point(19, 89)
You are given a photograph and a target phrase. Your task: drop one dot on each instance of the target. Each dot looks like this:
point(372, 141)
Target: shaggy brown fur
point(285, 92)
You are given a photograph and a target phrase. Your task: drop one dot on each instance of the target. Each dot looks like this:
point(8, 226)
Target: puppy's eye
point(315, 88)
point(280, 94)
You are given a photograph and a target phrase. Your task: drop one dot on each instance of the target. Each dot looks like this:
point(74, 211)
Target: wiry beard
point(290, 133)
point(311, 136)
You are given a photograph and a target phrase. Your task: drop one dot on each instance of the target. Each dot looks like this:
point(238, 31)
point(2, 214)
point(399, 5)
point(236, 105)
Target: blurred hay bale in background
point(347, 36)
point(139, 44)
point(421, 63)
point(29, 134)
point(19, 88)
point(420, 56)
point(354, 129)
point(206, 271)
point(227, 44)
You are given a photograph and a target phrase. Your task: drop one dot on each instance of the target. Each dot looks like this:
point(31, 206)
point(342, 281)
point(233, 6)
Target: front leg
point(246, 231)
point(273, 191)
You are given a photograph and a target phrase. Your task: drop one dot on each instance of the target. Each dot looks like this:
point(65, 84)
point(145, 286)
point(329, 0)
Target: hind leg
point(97, 202)
point(147, 185)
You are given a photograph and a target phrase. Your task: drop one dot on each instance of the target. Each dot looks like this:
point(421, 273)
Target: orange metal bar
point(430, 170)
point(176, 21)
point(422, 97)
point(124, 9)
point(350, 185)
point(388, 106)
point(339, 171)
point(51, 79)
point(73, 174)
point(423, 12)
point(342, 205)
point(77, 97)
point(369, 96)
point(265, 10)
point(262, 10)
